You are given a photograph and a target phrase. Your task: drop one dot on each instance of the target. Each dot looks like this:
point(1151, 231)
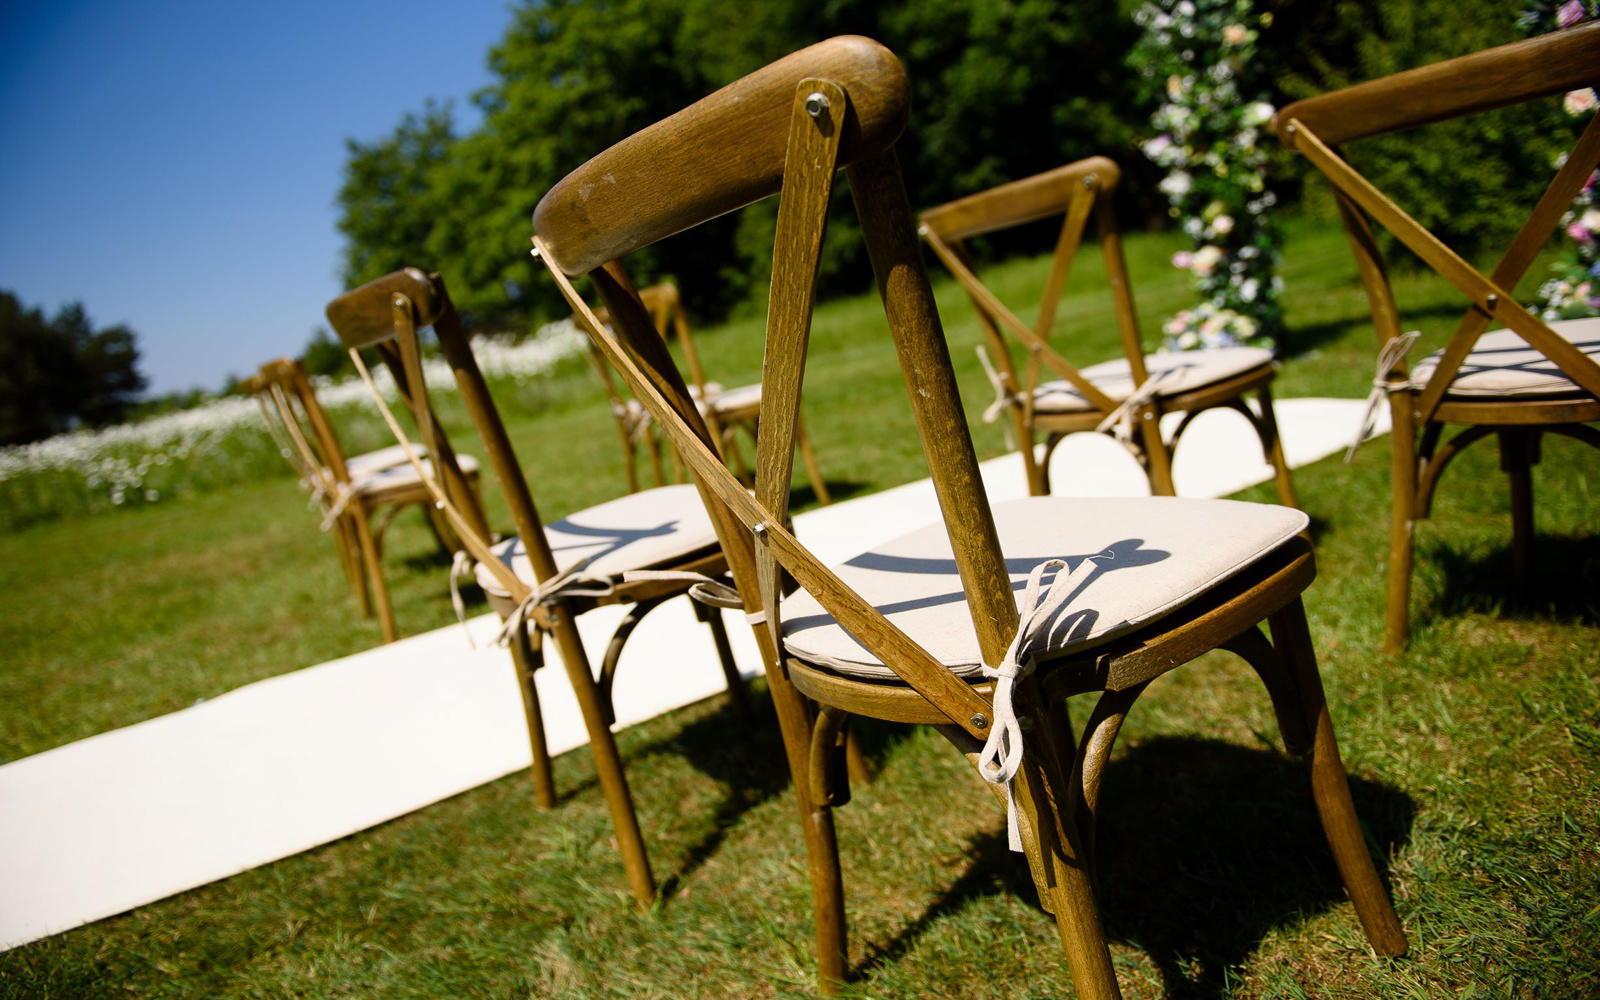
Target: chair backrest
point(296, 419)
point(1074, 191)
point(788, 127)
point(387, 314)
point(1499, 77)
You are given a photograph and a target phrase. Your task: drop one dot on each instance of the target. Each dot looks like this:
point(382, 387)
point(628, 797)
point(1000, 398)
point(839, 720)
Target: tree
point(388, 201)
point(325, 356)
point(60, 372)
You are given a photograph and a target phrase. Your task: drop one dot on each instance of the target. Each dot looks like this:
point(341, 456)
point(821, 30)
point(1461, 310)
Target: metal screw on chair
point(816, 104)
point(1490, 301)
point(979, 721)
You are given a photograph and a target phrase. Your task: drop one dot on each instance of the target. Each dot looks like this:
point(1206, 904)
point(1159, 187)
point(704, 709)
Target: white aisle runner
point(131, 816)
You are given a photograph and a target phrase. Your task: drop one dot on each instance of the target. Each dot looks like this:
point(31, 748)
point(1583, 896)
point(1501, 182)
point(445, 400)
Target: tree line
point(59, 372)
point(1001, 89)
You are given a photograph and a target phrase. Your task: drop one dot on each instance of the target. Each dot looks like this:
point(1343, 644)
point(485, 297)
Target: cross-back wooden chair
point(544, 577)
point(727, 411)
point(359, 495)
point(926, 628)
point(1516, 382)
point(1132, 391)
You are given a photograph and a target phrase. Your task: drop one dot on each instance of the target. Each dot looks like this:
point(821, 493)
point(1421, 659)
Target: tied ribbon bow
point(570, 582)
point(1003, 397)
point(635, 419)
point(1392, 354)
point(1002, 753)
point(460, 566)
point(1121, 418)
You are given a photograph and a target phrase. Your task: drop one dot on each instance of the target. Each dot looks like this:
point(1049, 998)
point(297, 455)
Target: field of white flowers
point(222, 442)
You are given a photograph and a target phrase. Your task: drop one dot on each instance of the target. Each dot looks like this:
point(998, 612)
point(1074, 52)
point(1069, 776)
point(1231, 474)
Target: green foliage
point(62, 371)
point(575, 76)
point(323, 355)
point(1467, 179)
point(387, 198)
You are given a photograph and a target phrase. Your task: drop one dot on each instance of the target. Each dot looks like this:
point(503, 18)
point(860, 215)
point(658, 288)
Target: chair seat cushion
point(729, 400)
point(644, 530)
point(1502, 364)
point(1156, 554)
point(377, 461)
point(1184, 371)
point(399, 477)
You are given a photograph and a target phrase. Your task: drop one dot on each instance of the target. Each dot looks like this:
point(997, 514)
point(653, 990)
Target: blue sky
point(173, 163)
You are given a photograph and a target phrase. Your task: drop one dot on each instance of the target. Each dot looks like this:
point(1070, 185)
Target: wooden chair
point(1515, 383)
point(912, 629)
point(359, 495)
point(542, 579)
point(726, 410)
point(1133, 391)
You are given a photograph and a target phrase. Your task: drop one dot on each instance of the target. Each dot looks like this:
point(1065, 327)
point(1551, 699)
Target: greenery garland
point(1201, 54)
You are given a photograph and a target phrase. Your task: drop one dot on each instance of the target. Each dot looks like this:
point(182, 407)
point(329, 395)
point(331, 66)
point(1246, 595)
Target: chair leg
point(1157, 456)
point(1403, 473)
point(527, 657)
point(730, 670)
point(1518, 453)
point(607, 761)
point(1331, 788)
point(369, 556)
point(817, 485)
point(355, 573)
point(1280, 464)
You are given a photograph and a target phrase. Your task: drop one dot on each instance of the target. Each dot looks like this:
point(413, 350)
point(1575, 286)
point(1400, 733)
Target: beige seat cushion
point(728, 400)
point(643, 530)
point(397, 477)
point(1156, 554)
point(1185, 371)
point(377, 461)
point(1502, 364)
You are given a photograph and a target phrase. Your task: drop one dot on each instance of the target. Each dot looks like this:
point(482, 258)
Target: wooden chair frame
point(386, 314)
point(358, 517)
point(1317, 127)
point(842, 104)
point(1077, 191)
point(665, 307)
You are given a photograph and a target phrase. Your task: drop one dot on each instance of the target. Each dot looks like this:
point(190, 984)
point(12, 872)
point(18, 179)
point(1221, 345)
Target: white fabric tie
point(1392, 354)
point(1002, 753)
point(460, 565)
point(1002, 397)
point(705, 589)
point(568, 583)
point(1122, 417)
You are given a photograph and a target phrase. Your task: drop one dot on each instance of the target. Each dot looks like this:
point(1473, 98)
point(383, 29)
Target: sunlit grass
point(1475, 756)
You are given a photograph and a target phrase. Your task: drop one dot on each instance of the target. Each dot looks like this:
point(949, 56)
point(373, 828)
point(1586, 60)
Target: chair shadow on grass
point(1203, 848)
point(1304, 338)
point(1563, 581)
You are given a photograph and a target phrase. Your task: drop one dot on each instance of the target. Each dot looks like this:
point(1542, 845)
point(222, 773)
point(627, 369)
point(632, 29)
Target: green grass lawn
point(1475, 756)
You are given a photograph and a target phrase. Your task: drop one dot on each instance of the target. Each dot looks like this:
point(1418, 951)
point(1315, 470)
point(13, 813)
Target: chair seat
point(745, 397)
point(402, 477)
point(644, 530)
point(1156, 554)
point(376, 461)
point(1502, 364)
point(1184, 371)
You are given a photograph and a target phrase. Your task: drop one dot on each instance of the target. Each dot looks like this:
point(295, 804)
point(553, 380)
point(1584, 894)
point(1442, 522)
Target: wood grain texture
point(720, 154)
point(1494, 78)
point(361, 316)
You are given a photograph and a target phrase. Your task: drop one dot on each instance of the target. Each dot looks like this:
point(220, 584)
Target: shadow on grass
point(1204, 847)
point(1563, 580)
point(803, 496)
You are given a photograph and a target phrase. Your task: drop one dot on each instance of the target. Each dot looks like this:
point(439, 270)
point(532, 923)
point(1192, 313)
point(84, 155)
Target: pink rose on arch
point(1569, 13)
point(1183, 259)
point(1578, 102)
point(1578, 231)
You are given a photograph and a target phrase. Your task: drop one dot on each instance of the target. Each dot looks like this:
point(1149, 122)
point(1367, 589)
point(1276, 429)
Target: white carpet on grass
point(131, 816)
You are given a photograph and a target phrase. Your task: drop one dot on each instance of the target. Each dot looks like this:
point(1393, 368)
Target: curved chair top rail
point(1494, 78)
point(1026, 200)
point(717, 155)
point(252, 385)
point(364, 316)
